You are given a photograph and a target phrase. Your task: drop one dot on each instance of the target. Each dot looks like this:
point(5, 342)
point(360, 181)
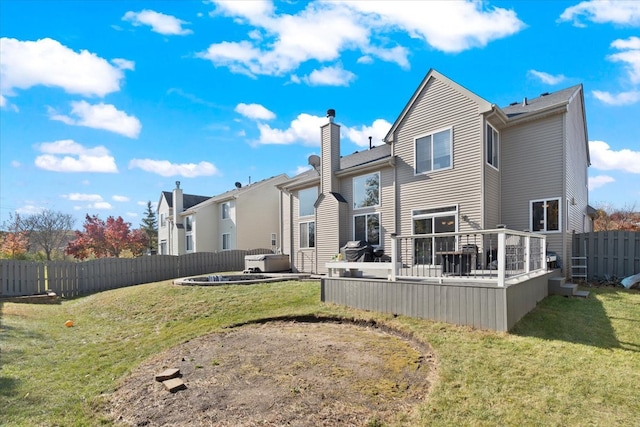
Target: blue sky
point(104, 104)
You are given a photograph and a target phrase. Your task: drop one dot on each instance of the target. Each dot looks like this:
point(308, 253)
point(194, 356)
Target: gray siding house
point(452, 163)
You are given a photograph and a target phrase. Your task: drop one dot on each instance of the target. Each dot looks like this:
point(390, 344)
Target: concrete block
point(167, 374)
point(174, 384)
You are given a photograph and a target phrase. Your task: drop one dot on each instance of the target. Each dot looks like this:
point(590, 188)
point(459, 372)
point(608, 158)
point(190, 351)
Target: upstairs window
point(306, 200)
point(163, 220)
point(545, 215)
point(433, 152)
point(366, 190)
point(226, 210)
point(492, 146)
point(188, 224)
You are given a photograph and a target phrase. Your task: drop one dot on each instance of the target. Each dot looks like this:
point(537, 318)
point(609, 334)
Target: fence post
point(502, 243)
point(394, 256)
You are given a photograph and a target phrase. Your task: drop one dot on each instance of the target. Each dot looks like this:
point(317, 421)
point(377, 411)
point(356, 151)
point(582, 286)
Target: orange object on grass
point(68, 323)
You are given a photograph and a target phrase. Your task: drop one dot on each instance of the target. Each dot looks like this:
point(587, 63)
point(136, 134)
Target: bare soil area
point(282, 373)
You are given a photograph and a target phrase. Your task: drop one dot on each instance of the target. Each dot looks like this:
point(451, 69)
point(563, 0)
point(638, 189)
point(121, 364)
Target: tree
point(619, 219)
point(150, 226)
point(14, 243)
point(106, 239)
point(48, 230)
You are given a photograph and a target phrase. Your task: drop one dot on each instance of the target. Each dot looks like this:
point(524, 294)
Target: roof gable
point(483, 105)
point(543, 102)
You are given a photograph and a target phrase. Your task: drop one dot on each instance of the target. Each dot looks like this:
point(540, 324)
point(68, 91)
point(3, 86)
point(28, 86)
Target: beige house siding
point(257, 216)
point(205, 226)
point(285, 231)
point(163, 230)
point(328, 213)
point(440, 106)
point(532, 169)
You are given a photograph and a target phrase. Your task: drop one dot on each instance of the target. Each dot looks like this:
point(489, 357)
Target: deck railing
point(496, 255)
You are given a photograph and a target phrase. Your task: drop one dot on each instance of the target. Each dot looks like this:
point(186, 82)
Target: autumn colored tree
point(106, 239)
point(14, 242)
point(607, 219)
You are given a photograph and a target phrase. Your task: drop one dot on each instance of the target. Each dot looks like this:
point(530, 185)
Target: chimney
point(177, 203)
point(370, 143)
point(525, 102)
point(329, 154)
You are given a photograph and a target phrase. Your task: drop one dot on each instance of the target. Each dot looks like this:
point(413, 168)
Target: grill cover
point(357, 251)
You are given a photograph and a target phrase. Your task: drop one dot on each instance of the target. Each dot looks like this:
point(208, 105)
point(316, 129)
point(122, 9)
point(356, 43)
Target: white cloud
point(255, 111)
point(29, 209)
point(305, 129)
point(124, 64)
point(301, 169)
point(141, 203)
point(599, 181)
point(622, 98)
point(159, 22)
point(449, 26)
point(329, 76)
point(100, 205)
point(630, 56)
point(47, 62)
point(604, 158)
point(132, 214)
point(360, 136)
point(100, 116)
point(15, 164)
point(547, 78)
point(280, 42)
point(166, 168)
point(82, 197)
point(69, 156)
point(601, 12)
point(120, 198)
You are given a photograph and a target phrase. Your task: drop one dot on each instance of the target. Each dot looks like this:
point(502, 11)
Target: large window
point(226, 210)
point(366, 190)
point(188, 246)
point(188, 224)
point(226, 241)
point(433, 152)
point(427, 250)
point(188, 228)
point(306, 200)
point(545, 215)
point(163, 220)
point(367, 227)
point(307, 234)
point(492, 146)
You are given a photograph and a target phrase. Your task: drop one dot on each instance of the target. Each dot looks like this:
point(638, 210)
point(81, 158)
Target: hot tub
point(267, 263)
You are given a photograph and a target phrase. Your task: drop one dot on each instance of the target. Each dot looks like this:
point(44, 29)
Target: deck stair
point(558, 286)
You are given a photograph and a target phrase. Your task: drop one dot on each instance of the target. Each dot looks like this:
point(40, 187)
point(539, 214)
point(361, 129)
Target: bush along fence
point(609, 253)
point(68, 279)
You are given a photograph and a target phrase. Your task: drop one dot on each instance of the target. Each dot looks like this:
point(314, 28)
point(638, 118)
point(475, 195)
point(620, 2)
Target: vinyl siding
point(257, 216)
point(532, 169)
point(205, 228)
point(491, 197)
point(328, 215)
point(440, 106)
point(286, 232)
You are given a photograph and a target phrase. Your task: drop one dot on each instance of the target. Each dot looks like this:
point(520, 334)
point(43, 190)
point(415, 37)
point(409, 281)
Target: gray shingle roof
point(541, 102)
point(188, 200)
point(367, 156)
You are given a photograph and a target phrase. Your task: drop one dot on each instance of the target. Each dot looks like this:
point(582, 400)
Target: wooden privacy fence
point(24, 278)
point(609, 253)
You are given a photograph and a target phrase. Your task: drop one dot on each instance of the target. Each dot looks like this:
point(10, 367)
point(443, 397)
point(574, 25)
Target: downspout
point(563, 200)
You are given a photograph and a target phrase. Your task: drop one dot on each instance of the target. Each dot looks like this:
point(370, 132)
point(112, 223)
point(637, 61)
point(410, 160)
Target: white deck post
point(394, 257)
point(502, 243)
point(527, 253)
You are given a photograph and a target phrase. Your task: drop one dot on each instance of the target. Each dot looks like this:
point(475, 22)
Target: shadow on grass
point(575, 320)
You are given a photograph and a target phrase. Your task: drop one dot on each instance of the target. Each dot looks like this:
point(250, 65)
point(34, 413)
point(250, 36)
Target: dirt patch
point(282, 373)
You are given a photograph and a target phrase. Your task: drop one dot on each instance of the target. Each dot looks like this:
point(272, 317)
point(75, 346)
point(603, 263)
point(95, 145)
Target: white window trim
point(366, 231)
point(274, 239)
point(545, 231)
point(433, 216)
point(496, 146)
point(353, 187)
point(228, 241)
point(300, 235)
point(415, 153)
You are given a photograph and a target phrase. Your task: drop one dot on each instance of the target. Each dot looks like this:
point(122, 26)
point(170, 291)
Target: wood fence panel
point(609, 253)
point(18, 278)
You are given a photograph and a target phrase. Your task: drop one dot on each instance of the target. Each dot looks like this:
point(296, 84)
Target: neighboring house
point(243, 218)
point(452, 162)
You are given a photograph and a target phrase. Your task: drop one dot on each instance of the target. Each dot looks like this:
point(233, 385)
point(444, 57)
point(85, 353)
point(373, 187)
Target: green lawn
point(570, 362)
